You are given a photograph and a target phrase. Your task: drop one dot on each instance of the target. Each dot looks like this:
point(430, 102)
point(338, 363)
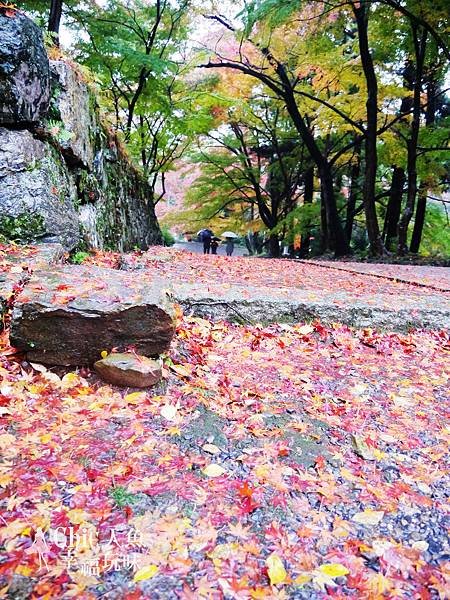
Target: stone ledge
point(258, 306)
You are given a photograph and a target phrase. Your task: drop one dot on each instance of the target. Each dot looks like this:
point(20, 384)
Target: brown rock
point(129, 370)
point(67, 315)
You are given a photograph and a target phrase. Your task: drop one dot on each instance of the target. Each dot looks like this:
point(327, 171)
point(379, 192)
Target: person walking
point(206, 239)
point(214, 245)
point(230, 246)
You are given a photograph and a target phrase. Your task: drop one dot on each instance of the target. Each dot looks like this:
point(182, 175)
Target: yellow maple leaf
point(334, 569)
point(76, 516)
point(211, 449)
point(146, 572)
point(169, 412)
point(275, 569)
point(302, 579)
point(305, 329)
point(135, 397)
point(183, 370)
point(23, 570)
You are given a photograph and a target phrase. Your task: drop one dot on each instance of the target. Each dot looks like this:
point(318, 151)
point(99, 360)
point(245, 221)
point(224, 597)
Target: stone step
point(276, 305)
point(69, 314)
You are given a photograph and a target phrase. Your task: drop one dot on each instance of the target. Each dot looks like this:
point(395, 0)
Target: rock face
point(129, 370)
point(72, 105)
point(58, 162)
point(24, 70)
point(34, 181)
point(69, 315)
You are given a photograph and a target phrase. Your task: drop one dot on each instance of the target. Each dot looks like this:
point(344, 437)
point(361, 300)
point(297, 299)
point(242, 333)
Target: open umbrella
point(229, 234)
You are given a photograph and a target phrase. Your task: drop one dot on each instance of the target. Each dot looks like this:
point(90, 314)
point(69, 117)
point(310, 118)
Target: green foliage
point(23, 229)
point(121, 496)
point(79, 257)
point(58, 131)
point(299, 221)
point(141, 57)
point(136, 51)
point(436, 232)
point(168, 238)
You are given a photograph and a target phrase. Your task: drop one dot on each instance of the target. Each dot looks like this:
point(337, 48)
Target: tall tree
point(54, 20)
point(361, 11)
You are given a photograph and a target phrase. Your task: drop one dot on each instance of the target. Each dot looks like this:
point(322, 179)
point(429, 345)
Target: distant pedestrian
point(206, 242)
point(229, 247)
point(214, 245)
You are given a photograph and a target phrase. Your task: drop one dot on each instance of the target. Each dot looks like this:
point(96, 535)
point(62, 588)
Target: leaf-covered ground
point(279, 275)
point(279, 462)
point(433, 277)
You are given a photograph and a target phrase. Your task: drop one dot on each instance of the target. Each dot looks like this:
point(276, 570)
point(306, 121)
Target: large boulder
point(24, 70)
point(73, 106)
point(69, 315)
point(35, 181)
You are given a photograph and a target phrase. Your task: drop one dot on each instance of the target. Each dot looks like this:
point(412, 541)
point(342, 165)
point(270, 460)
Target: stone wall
point(57, 158)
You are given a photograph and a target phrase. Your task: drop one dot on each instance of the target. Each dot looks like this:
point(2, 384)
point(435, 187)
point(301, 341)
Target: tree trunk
point(419, 220)
point(353, 193)
point(324, 238)
point(394, 207)
point(308, 178)
point(361, 12)
point(337, 240)
point(420, 48)
point(430, 115)
point(336, 236)
point(54, 20)
point(274, 246)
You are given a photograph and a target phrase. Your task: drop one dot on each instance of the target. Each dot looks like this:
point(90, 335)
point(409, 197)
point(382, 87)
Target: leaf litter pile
point(288, 461)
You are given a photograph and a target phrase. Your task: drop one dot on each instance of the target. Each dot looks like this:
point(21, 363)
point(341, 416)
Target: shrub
point(23, 229)
point(78, 257)
point(168, 238)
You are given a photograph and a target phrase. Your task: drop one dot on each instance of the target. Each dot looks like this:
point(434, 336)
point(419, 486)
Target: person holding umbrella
point(206, 235)
point(229, 239)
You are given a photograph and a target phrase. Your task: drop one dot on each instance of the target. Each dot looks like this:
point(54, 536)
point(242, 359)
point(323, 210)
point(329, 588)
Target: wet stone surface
point(69, 315)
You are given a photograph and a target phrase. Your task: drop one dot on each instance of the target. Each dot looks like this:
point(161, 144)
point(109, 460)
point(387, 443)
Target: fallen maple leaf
point(368, 517)
point(305, 329)
point(275, 569)
point(361, 448)
point(146, 572)
point(213, 470)
point(169, 412)
point(334, 569)
point(211, 449)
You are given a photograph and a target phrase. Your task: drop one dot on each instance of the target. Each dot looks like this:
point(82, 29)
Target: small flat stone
point(129, 370)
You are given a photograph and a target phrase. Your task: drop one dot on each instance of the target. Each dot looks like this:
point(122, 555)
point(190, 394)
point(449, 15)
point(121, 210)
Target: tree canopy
point(323, 118)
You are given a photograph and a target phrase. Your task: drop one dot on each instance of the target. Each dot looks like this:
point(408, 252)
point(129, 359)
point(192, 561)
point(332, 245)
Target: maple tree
point(252, 164)
point(321, 95)
point(361, 86)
